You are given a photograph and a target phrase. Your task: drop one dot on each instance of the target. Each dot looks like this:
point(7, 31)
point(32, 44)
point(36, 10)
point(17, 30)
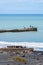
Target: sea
point(18, 21)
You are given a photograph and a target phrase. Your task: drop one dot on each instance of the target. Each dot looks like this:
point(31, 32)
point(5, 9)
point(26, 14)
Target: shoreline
point(35, 45)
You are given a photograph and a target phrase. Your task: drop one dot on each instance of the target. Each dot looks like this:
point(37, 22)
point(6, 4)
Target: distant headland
point(31, 28)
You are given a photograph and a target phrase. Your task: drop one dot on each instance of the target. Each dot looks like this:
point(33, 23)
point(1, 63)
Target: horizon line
point(26, 14)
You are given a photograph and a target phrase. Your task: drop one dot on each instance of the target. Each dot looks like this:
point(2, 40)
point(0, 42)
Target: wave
point(35, 45)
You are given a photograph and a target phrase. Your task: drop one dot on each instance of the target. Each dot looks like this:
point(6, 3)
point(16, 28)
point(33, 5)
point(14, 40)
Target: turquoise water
point(8, 21)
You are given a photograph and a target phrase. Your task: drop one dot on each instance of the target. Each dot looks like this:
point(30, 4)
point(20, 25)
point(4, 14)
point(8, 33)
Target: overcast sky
point(21, 6)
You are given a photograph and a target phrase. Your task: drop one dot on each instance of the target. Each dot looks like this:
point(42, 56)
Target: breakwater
point(19, 30)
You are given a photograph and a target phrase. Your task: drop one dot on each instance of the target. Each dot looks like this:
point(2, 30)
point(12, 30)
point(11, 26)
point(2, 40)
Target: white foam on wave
point(36, 46)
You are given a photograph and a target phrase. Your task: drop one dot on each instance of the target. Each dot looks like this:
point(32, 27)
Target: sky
point(21, 6)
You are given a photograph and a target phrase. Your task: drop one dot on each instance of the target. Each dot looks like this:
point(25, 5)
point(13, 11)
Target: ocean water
point(17, 21)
